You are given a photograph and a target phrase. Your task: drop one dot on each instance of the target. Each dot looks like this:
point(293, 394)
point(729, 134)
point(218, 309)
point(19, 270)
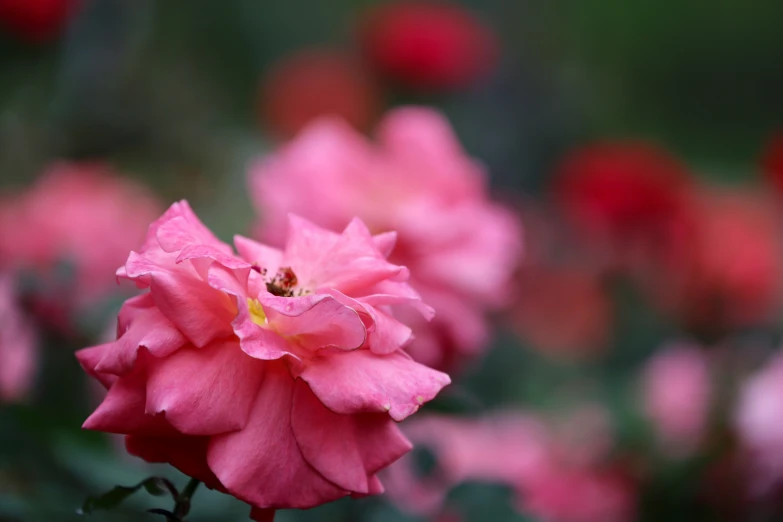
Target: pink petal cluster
point(80, 214)
point(560, 470)
point(760, 425)
point(580, 495)
point(676, 389)
point(18, 345)
point(498, 448)
point(461, 247)
point(578, 482)
point(273, 375)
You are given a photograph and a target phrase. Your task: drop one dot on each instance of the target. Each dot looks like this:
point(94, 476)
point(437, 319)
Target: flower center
point(283, 283)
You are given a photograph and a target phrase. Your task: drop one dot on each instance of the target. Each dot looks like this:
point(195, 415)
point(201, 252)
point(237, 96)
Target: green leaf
point(156, 486)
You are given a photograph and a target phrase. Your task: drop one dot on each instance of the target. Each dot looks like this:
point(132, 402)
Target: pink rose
point(460, 246)
point(580, 495)
point(577, 481)
point(274, 376)
point(18, 345)
point(80, 214)
point(760, 425)
point(676, 395)
point(498, 448)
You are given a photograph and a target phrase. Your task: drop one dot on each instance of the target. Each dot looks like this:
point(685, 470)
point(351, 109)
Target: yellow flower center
point(257, 314)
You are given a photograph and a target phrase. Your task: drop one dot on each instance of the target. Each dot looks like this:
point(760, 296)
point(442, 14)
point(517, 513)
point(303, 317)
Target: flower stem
point(182, 507)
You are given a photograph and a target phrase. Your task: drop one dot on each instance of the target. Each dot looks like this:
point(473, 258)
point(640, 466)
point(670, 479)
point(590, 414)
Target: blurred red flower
point(317, 82)
point(772, 162)
point(36, 20)
point(428, 45)
point(563, 312)
point(728, 274)
point(624, 199)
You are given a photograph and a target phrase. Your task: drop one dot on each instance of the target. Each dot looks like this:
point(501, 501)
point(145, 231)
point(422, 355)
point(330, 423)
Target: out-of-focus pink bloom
point(563, 312)
point(36, 20)
point(760, 425)
point(577, 481)
point(18, 345)
point(772, 162)
point(626, 200)
point(730, 273)
point(580, 495)
point(314, 83)
point(583, 436)
point(79, 214)
point(509, 448)
point(276, 375)
point(676, 392)
point(461, 247)
point(499, 448)
point(428, 44)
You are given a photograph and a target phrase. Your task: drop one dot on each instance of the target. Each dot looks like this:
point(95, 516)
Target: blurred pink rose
point(289, 102)
point(564, 312)
point(530, 454)
point(79, 214)
point(461, 247)
point(274, 376)
point(498, 448)
point(580, 495)
point(676, 392)
point(729, 273)
point(18, 345)
point(428, 45)
point(577, 481)
point(760, 425)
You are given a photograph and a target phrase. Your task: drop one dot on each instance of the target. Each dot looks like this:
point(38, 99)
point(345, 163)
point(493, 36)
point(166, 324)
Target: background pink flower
point(760, 425)
point(275, 375)
point(18, 345)
point(677, 391)
point(497, 448)
point(461, 248)
point(578, 481)
point(82, 216)
point(580, 495)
